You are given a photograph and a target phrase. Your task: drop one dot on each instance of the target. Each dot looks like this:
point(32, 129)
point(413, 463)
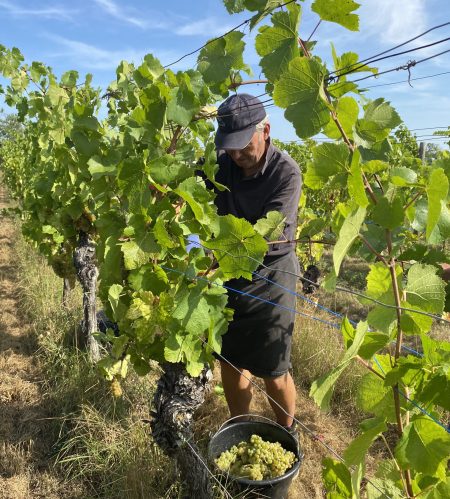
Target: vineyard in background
point(115, 201)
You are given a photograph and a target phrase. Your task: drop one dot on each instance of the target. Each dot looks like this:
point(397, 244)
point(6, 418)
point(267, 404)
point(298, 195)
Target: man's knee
point(278, 382)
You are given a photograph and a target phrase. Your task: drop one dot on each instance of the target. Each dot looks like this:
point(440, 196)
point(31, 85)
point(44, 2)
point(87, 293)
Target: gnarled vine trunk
point(177, 397)
point(87, 273)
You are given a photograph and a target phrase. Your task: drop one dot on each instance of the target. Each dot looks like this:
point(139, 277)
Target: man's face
point(250, 157)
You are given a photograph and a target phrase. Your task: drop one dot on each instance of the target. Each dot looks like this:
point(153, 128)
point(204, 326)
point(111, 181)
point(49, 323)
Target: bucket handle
point(255, 416)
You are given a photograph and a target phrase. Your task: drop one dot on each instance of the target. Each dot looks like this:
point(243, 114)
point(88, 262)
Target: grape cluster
point(256, 459)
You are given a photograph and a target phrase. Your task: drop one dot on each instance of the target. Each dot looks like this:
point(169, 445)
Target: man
point(260, 179)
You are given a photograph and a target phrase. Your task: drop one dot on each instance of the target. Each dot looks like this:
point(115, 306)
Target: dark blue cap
point(237, 117)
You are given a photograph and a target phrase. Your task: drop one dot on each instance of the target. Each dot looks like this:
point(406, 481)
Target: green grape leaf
point(441, 231)
point(234, 6)
point(379, 286)
point(278, 44)
point(138, 252)
point(183, 104)
point(328, 160)
point(308, 117)
point(263, 8)
point(348, 332)
point(161, 233)
point(425, 289)
point(186, 349)
point(388, 482)
point(338, 11)
point(110, 271)
point(382, 114)
point(151, 68)
point(341, 88)
point(329, 283)
point(355, 182)
point(437, 190)
point(412, 323)
point(114, 293)
point(166, 170)
point(436, 352)
point(347, 235)
point(436, 389)
point(100, 166)
point(439, 491)
point(149, 278)
point(271, 226)
point(235, 241)
point(337, 479)
point(379, 118)
point(191, 307)
point(217, 59)
point(322, 389)
point(374, 341)
point(382, 318)
point(355, 453)
point(56, 96)
point(197, 196)
point(402, 176)
point(375, 166)
point(424, 447)
point(409, 370)
point(347, 111)
point(342, 62)
point(374, 398)
point(83, 144)
point(300, 90)
point(312, 227)
point(389, 215)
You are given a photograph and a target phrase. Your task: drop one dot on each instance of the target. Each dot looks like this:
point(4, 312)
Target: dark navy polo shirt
point(276, 187)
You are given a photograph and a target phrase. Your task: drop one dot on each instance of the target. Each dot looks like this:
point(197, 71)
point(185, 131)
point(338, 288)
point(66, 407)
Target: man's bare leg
point(282, 389)
point(238, 389)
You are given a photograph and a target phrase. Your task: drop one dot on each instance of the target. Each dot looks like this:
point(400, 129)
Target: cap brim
point(234, 140)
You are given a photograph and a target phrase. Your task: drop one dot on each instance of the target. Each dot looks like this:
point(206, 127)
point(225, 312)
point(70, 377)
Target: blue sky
point(93, 36)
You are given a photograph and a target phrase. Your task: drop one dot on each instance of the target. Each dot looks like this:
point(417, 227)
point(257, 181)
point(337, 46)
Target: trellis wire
point(244, 293)
point(339, 288)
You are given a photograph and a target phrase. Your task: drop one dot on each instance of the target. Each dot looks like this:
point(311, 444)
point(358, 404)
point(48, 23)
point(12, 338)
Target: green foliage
point(278, 45)
point(129, 181)
point(338, 11)
point(300, 89)
point(424, 447)
point(347, 235)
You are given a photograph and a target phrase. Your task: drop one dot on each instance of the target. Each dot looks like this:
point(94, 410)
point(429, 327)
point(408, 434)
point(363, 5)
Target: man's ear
point(266, 131)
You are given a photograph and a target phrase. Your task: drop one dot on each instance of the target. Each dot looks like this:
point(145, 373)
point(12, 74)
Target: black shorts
point(259, 337)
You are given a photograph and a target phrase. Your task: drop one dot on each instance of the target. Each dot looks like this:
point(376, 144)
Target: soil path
point(24, 439)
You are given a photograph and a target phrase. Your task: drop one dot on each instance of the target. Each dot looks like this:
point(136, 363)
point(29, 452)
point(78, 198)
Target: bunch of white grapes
point(256, 460)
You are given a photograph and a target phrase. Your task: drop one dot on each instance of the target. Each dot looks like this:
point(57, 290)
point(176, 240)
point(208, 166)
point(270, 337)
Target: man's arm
point(285, 199)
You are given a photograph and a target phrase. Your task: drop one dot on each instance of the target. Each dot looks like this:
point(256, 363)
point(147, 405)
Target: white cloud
point(50, 12)
point(83, 55)
point(118, 12)
point(393, 22)
point(205, 27)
